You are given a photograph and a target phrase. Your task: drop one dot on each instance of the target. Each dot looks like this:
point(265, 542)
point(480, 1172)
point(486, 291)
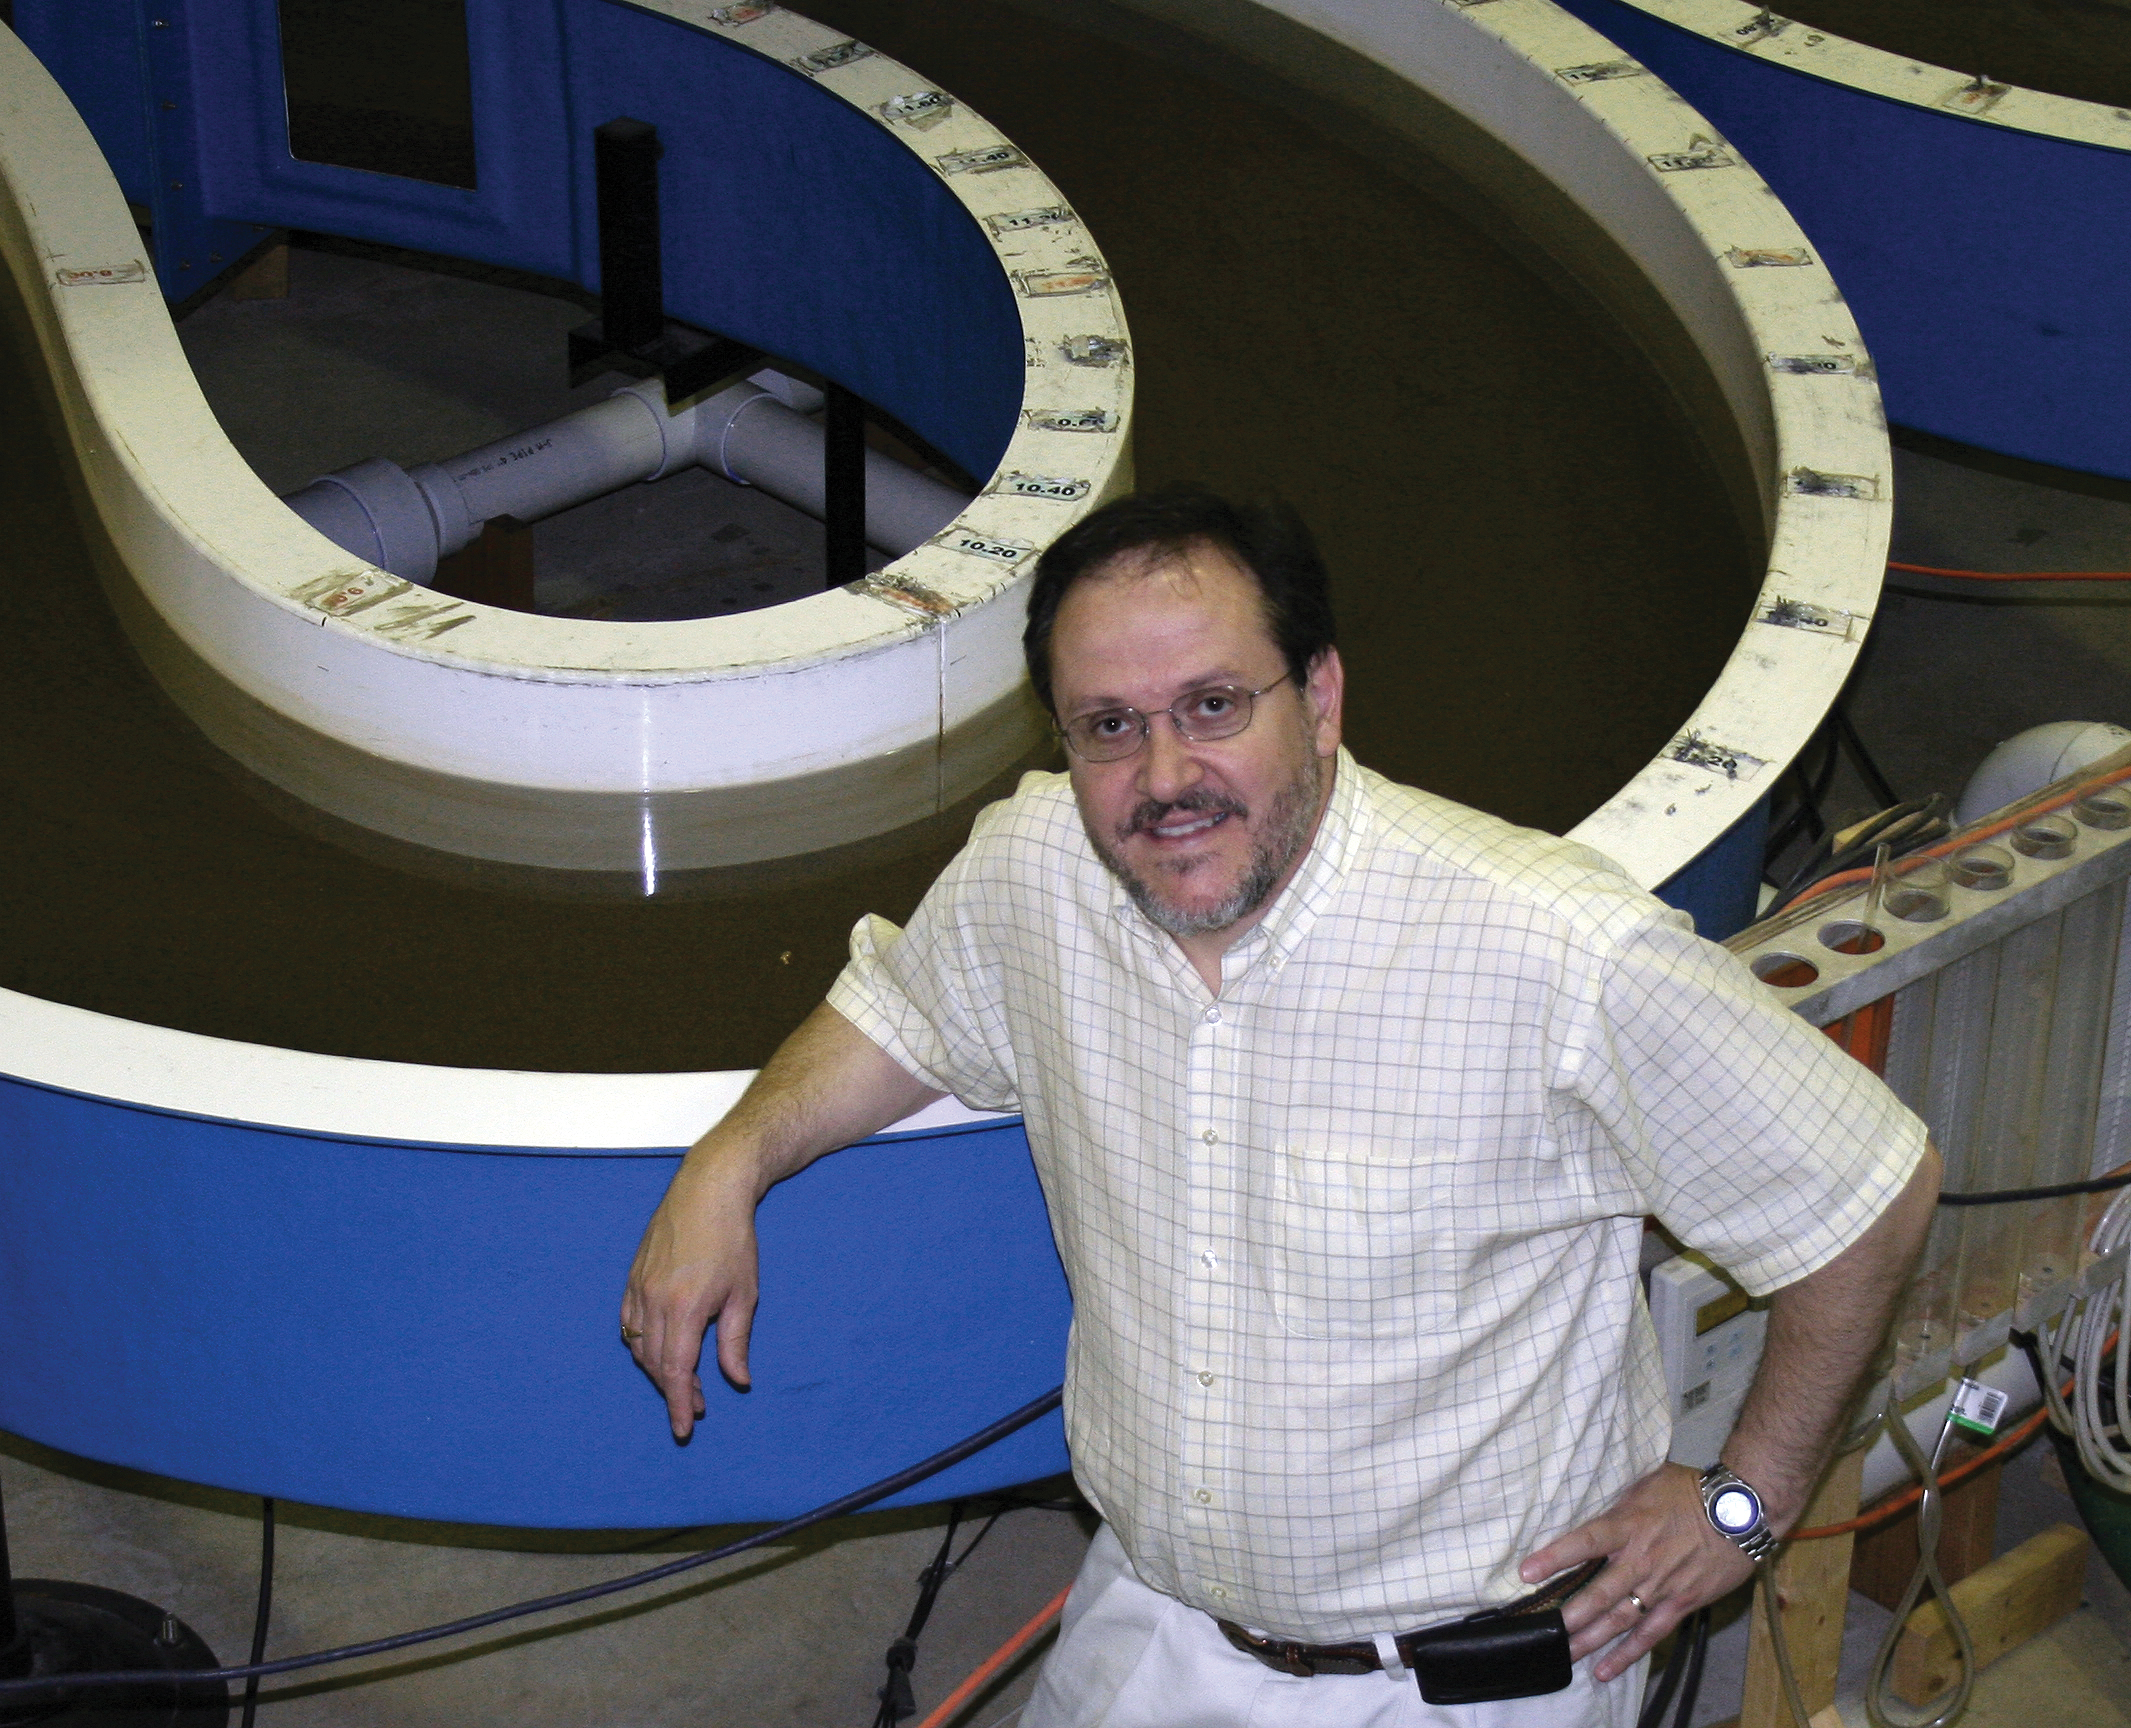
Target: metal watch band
point(1758, 1542)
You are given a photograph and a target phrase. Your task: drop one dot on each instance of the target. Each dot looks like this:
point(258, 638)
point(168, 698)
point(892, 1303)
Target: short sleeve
point(1752, 1135)
point(925, 1000)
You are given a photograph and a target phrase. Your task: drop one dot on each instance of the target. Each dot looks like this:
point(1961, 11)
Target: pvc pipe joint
point(405, 520)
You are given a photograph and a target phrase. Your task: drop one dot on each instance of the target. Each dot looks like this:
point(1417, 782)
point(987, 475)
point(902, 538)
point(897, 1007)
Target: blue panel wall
point(791, 220)
point(431, 1331)
point(93, 49)
point(1990, 269)
point(1721, 885)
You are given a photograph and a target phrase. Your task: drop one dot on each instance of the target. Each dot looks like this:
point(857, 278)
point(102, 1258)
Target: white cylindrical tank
point(2030, 760)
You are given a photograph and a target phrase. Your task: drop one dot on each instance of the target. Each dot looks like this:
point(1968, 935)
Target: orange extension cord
point(997, 1660)
point(2015, 576)
point(1966, 838)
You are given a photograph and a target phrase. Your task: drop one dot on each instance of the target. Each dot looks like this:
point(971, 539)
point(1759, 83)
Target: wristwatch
point(1735, 1513)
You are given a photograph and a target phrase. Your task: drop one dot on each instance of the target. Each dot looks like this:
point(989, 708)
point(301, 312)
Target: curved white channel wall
point(655, 707)
point(552, 741)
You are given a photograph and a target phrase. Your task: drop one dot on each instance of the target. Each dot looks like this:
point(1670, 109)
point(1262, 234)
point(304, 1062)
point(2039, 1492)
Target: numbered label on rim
point(1052, 486)
point(1804, 615)
point(990, 547)
point(1818, 365)
point(1978, 96)
point(1977, 1408)
point(921, 109)
point(103, 275)
point(1071, 419)
point(1766, 257)
point(1094, 350)
point(343, 596)
point(1598, 72)
point(986, 161)
point(829, 58)
point(1020, 221)
point(1682, 161)
point(1811, 483)
point(1049, 284)
point(1699, 752)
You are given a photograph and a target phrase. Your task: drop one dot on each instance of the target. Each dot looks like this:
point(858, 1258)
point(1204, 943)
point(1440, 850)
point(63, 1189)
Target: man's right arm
point(828, 1085)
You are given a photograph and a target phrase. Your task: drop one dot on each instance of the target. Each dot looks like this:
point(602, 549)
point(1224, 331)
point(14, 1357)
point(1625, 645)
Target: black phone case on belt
point(1481, 1661)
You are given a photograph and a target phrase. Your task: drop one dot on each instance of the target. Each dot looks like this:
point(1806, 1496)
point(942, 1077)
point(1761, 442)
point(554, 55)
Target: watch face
point(1734, 1511)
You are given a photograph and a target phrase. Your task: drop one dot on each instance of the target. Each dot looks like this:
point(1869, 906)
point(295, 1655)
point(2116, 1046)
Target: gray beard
point(1289, 819)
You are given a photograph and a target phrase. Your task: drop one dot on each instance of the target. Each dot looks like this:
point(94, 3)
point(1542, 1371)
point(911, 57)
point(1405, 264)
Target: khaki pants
point(1130, 1657)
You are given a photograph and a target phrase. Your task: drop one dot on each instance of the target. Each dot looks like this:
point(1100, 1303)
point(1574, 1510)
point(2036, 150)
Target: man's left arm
point(1822, 1332)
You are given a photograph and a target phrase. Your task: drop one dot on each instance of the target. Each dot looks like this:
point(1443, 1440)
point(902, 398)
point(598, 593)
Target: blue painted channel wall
point(791, 220)
point(1990, 269)
point(430, 1331)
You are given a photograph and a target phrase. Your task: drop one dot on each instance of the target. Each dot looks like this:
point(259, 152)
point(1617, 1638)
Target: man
point(1348, 1104)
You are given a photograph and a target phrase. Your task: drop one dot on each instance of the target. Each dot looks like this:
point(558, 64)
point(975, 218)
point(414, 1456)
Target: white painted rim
point(1742, 278)
point(451, 687)
point(1919, 83)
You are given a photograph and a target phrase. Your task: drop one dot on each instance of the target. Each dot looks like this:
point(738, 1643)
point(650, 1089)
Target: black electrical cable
point(2055, 1191)
point(1689, 1646)
point(1867, 769)
point(1697, 1659)
point(1668, 1679)
point(1901, 827)
point(897, 1700)
point(263, 1613)
point(837, 1508)
point(1812, 792)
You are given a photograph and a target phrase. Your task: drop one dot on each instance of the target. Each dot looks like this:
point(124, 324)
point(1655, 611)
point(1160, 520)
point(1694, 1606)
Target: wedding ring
point(1641, 1607)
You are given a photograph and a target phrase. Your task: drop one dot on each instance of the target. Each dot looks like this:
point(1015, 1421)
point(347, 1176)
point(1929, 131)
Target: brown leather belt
point(1520, 1650)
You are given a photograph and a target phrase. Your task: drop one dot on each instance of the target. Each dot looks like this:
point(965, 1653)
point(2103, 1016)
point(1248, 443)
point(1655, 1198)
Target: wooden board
point(2005, 1604)
point(1813, 1588)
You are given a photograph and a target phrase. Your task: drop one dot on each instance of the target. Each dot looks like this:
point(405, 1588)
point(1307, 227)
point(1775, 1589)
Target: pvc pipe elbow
point(2030, 760)
point(374, 510)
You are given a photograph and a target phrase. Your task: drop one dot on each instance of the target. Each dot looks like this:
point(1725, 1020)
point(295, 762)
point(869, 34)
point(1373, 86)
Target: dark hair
point(1268, 539)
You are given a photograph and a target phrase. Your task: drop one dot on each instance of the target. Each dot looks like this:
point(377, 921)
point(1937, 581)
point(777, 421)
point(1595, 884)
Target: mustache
point(1151, 812)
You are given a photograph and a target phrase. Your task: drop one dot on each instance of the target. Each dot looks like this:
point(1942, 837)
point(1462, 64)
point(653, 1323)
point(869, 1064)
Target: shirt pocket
point(1351, 1240)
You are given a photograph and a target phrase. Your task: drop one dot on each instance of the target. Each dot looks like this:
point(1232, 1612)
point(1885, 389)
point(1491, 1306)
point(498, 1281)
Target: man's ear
point(1325, 689)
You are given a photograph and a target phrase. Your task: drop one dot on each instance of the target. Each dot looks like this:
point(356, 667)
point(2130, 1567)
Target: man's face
point(1203, 835)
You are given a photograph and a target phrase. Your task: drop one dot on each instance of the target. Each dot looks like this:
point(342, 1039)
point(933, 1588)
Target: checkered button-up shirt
point(1353, 1246)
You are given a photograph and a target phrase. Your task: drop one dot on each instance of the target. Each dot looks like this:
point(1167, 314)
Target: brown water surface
point(1536, 568)
point(2068, 47)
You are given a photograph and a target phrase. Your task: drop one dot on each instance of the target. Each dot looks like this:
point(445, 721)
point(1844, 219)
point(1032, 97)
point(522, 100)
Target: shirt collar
point(1324, 868)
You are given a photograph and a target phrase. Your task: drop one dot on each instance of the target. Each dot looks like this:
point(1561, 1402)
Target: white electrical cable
point(2077, 1340)
point(1929, 1507)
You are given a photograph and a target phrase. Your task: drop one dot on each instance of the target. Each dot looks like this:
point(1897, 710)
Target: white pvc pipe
point(404, 520)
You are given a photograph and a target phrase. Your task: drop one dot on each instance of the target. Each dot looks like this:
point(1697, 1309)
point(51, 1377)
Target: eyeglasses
point(1202, 715)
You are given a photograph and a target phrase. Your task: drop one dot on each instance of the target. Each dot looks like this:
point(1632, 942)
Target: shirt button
point(1204, 1496)
point(1211, 1138)
point(1209, 1259)
point(1213, 1016)
point(1219, 1592)
point(1205, 1379)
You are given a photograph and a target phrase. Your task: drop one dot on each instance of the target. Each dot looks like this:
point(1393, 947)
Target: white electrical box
point(1709, 1334)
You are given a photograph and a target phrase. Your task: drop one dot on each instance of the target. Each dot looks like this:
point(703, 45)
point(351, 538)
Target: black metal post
point(16, 1655)
point(844, 485)
point(632, 292)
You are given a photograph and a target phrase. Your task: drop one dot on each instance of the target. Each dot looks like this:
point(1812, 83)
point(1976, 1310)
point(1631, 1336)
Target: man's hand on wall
point(1659, 1546)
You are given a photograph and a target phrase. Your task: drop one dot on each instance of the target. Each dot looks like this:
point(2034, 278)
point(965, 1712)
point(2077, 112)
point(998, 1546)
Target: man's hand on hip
point(1659, 1547)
